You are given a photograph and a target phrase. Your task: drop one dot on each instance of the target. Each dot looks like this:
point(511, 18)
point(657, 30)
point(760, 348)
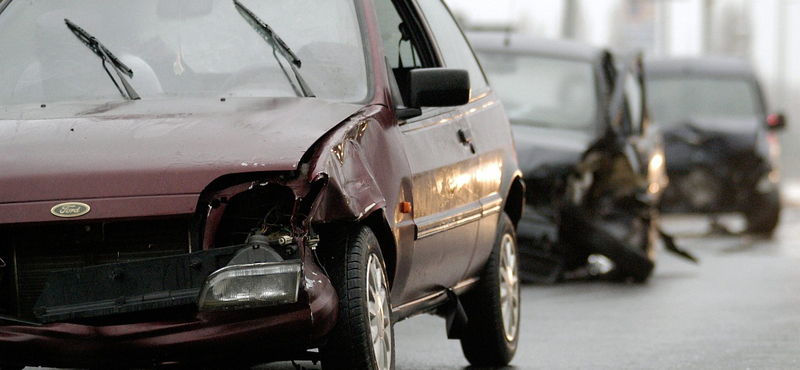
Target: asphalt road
point(738, 309)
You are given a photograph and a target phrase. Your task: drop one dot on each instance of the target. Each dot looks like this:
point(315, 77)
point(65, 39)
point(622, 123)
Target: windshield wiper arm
point(278, 45)
point(107, 57)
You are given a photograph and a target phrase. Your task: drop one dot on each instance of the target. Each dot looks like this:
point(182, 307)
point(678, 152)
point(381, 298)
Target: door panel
point(486, 120)
point(445, 201)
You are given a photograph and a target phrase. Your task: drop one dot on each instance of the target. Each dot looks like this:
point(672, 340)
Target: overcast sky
point(770, 26)
point(679, 28)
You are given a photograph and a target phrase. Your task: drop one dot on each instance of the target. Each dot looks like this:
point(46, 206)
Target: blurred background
point(759, 31)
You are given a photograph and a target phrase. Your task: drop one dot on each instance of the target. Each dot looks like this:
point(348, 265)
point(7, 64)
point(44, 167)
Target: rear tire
point(493, 306)
point(363, 338)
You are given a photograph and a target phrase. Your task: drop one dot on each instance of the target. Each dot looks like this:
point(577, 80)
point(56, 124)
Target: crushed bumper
point(247, 335)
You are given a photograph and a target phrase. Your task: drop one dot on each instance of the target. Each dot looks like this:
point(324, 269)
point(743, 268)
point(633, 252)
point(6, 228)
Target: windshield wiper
point(278, 46)
point(107, 57)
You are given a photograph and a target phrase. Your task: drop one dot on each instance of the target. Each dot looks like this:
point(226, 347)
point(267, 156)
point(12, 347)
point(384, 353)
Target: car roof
point(700, 66)
point(521, 44)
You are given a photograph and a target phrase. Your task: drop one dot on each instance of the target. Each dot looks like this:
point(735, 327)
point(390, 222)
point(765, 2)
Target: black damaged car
point(721, 147)
point(592, 165)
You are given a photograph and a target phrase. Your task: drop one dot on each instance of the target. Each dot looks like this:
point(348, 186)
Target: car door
point(643, 138)
point(445, 205)
point(485, 131)
point(627, 112)
point(646, 137)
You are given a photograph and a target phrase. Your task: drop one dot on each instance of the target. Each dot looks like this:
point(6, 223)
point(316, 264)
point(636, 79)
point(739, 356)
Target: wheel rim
point(380, 321)
point(509, 287)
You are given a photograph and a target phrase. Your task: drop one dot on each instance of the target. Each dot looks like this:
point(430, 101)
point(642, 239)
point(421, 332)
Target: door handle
point(465, 136)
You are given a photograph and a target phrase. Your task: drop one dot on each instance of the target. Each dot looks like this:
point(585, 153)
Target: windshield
point(677, 99)
point(180, 48)
point(540, 91)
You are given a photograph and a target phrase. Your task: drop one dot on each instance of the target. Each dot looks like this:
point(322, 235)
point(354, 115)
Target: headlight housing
point(251, 285)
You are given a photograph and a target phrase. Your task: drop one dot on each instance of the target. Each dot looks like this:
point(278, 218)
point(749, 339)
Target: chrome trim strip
point(492, 205)
point(487, 207)
point(457, 116)
point(417, 301)
point(466, 283)
point(436, 226)
point(481, 96)
point(431, 297)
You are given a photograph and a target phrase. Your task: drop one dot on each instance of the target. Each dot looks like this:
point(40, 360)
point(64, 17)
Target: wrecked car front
point(722, 149)
point(95, 235)
point(145, 220)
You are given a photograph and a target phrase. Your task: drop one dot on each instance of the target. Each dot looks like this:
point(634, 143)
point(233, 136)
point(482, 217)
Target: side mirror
point(438, 87)
point(776, 121)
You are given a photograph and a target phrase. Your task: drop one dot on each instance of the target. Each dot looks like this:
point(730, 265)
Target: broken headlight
point(251, 285)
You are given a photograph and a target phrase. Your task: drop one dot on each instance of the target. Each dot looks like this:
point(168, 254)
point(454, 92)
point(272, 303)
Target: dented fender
point(349, 189)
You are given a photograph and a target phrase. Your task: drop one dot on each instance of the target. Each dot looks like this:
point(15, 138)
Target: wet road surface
point(738, 309)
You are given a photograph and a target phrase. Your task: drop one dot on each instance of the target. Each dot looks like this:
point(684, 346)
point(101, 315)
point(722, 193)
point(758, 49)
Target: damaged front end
point(607, 230)
point(717, 171)
point(600, 224)
point(595, 216)
point(237, 275)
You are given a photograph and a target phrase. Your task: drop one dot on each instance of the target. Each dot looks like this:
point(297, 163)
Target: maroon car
point(236, 182)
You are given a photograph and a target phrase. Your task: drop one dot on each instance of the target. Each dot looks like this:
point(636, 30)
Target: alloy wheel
point(509, 286)
point(380, 321)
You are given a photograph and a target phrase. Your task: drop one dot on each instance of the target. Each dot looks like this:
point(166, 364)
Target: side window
point(401, 52)
point(397, 45)
point(452, 44)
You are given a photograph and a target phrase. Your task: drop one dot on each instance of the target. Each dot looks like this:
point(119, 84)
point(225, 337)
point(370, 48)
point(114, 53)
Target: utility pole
point(663, 27)
point(570, 17)
point(708, 7)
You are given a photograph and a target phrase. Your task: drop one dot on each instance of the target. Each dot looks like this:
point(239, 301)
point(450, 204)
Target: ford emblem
point(70, 209)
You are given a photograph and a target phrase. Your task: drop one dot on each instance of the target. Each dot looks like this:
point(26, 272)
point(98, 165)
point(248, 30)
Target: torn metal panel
point(350, 190)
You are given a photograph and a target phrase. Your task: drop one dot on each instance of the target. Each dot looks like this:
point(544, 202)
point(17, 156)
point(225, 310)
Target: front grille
point(32, 253)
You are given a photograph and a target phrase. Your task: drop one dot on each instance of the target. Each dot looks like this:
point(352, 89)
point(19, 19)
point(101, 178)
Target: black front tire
point(632, 260)
point(363, 338)
point(763, 213)
point(493, 306)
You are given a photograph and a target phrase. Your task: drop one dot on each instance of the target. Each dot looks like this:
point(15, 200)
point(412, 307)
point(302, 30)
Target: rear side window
point(452, 44)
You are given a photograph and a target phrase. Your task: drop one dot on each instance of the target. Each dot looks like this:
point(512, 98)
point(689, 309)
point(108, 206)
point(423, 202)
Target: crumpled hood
point(714, 139)
point(735, 134)
point(539, 147)
point(79, 151)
